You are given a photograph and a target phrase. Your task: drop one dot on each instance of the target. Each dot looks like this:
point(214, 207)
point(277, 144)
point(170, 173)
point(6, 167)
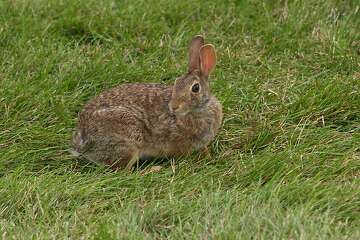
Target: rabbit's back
point(138, 97)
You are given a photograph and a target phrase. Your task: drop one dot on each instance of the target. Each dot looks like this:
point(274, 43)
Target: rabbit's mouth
point(178, 110)
point(181, 113)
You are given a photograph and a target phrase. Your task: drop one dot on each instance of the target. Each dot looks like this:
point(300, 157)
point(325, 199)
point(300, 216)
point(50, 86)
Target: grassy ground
point(286, 164)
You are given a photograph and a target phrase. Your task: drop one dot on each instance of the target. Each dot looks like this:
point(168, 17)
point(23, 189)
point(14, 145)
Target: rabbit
point(137, 121)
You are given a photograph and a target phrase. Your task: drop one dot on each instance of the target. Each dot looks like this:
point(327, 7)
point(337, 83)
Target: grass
point(286, 164)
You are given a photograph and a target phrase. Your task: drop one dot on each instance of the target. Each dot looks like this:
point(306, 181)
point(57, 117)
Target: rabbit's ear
point(207, 59)
point(194, 60)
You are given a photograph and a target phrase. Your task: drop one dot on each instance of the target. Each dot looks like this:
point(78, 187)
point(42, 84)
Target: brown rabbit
point(134, 121)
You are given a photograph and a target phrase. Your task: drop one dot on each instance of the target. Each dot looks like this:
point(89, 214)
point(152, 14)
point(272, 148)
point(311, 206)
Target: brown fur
point(135, 121)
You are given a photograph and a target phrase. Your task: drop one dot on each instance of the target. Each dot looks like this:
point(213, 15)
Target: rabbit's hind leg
point(122, 155)
point(115, 153)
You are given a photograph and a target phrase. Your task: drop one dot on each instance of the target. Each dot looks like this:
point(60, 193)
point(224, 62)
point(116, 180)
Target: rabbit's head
point(191, 91)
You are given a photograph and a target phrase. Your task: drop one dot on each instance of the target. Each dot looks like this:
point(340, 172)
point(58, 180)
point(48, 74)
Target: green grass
point(286, 164)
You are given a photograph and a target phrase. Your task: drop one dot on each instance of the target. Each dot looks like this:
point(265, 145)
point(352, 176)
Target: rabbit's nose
point(174, 107)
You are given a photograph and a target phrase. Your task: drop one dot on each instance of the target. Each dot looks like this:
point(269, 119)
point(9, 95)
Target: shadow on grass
point(83, 165)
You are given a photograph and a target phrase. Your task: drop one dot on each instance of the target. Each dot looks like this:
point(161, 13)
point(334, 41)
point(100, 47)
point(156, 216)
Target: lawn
point(286, 164)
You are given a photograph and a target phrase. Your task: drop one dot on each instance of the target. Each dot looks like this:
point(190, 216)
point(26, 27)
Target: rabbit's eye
point(195, 88)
